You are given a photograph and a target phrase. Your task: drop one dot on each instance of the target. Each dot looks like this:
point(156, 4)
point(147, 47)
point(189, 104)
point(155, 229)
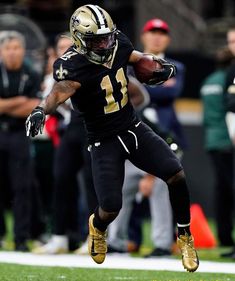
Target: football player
point(93, 74)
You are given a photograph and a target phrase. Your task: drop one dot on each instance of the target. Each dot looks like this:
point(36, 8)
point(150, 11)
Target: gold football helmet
point(93, 33)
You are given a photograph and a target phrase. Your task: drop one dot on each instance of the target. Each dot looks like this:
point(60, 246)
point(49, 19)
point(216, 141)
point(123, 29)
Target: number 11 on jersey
point(106, 84)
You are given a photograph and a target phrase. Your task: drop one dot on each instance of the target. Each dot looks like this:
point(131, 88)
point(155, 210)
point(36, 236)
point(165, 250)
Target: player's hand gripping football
point(161, 75)
point(35, 122)
point(152, 70)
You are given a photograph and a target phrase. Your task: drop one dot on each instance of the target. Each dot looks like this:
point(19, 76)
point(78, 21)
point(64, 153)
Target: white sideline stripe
point(113, 261)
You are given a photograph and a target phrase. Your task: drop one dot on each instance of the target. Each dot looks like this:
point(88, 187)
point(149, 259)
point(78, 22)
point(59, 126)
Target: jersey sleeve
point(63, 70)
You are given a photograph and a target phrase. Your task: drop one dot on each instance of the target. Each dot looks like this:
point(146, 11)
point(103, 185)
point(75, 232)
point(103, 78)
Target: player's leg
point(154, 156)
point(108, 159)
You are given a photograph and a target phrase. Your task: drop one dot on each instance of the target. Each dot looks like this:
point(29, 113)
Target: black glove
point(35, 122)
point(161, 75)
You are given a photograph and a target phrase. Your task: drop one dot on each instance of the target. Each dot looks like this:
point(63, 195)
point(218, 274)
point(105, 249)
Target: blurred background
point(197, 29)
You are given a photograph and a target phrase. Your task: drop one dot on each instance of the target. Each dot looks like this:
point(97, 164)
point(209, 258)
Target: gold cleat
point(189, 255)
point(97, 246)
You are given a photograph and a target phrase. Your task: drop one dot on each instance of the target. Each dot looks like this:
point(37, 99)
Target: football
point(145, 67)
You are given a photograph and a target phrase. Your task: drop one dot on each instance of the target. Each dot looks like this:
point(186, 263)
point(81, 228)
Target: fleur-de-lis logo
point(61, 72)
point(75, 21)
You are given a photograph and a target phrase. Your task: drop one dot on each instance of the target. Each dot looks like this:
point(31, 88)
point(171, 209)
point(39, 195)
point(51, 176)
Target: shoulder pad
point(69, 54)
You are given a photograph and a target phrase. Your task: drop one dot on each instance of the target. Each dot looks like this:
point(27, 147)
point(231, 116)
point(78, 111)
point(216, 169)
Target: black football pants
point(143, 148)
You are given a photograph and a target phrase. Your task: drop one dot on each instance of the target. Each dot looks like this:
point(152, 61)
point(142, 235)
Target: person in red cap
point(156, 24)
point(156, 38)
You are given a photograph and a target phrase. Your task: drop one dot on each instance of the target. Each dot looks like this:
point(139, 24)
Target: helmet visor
point(100, 43)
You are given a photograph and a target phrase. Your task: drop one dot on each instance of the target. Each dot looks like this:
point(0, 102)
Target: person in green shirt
point(218, 144)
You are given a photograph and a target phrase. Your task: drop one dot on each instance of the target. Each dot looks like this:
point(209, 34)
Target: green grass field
point(211, 254)
point(32, 273)
point(12, 272)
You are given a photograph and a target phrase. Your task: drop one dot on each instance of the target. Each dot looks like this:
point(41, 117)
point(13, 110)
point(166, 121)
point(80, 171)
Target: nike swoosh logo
point(93, 253)
point(36, 113)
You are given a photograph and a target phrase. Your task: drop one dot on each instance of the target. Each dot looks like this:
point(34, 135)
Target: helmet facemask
point(99, 48)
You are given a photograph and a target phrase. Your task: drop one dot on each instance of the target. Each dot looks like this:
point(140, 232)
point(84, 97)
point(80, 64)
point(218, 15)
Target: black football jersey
point(103, 97)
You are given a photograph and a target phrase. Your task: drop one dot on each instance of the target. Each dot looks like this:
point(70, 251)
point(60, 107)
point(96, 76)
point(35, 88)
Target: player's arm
point(60, 92)
point(159, 76)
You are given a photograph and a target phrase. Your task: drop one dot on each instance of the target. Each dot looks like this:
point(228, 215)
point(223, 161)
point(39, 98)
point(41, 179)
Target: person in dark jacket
point(219, 145)
point(230, 99)
point(19, 88)
point(156, 39)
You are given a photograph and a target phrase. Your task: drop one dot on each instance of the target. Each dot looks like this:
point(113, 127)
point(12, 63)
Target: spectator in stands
point(219, 145)
point(70, 156)
point(19, 88)
point(230, 99)
point(156, 39)
point(43, 147)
